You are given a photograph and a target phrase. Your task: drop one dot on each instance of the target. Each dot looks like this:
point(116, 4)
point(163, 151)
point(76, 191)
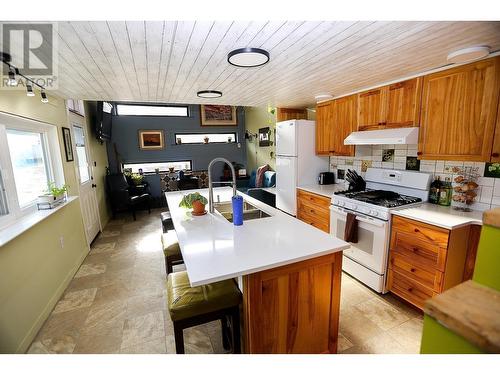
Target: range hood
point(396, 136)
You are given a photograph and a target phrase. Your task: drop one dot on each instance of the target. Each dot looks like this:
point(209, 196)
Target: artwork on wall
point(412, 163)
point(218, 115)
point(68, 145)
point(264, 137)
point(388, 155)
point(151, 140)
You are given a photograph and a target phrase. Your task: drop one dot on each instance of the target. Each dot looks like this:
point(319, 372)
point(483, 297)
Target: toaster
point(326, 178)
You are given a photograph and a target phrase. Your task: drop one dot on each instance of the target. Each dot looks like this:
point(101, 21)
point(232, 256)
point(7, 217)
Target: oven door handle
point(375, 222)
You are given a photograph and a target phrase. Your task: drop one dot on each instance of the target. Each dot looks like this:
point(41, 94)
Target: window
point(152, 110)
point(29, 163)
point(162, 166)
point(81, 154)
point(30, 158)
point(200, 138)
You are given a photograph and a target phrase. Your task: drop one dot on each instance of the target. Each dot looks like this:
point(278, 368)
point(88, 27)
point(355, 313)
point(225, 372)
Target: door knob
point(94, 185)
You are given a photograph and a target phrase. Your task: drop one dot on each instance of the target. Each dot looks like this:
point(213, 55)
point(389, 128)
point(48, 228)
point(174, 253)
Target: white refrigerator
point(296, 161)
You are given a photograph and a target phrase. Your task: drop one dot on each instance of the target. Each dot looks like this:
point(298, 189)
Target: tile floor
point(116, 304)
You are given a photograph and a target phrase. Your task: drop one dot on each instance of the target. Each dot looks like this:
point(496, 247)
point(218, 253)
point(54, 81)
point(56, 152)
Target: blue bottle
point(237, 210)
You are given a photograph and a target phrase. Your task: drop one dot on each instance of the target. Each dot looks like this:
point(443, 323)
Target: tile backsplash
point(488, 192)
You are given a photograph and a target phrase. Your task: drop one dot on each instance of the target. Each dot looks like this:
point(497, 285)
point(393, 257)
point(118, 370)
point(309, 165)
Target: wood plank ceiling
point(170, 61)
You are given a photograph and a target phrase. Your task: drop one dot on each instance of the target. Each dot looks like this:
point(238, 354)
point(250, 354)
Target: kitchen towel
point(351, 228)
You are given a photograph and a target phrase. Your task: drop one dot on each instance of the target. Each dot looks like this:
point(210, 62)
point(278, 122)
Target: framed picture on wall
point(264, 139)
point(151, 140)
point(68, 145)
point(218, 115)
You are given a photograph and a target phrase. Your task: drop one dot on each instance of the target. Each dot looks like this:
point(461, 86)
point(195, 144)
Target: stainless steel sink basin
point(250, 212)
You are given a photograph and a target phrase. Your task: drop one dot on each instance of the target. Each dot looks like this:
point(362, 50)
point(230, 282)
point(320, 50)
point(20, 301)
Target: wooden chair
point(191, 306)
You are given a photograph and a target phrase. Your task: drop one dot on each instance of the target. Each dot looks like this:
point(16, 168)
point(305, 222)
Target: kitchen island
point(289, 272)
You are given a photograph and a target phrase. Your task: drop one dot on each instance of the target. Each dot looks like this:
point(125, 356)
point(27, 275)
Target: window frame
point(188, 112)
point(157, 162)
point(53, 162)
point(206, 133)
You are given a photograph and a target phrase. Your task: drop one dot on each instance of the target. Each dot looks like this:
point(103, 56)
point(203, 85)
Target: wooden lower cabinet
point(425, 260)
point(293, 308)
point(314, 209)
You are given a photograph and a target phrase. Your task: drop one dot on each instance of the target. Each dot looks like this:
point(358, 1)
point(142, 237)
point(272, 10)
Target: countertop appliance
point(296, 161)
point(326, 178)
point(386, 190)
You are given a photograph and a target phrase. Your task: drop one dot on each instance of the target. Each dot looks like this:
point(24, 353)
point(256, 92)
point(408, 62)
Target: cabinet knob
point(419, 153)
point(495, 154)
point(413, 270)
point(410, 290)
point(416, 230)
point(415, 249)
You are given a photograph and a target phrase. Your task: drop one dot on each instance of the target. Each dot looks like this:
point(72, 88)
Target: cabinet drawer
point(313, 199)
point(312, 209)
point(420, 252)
point(428, 277)
point(421, 231)
point(408, 289)
point(316, 221)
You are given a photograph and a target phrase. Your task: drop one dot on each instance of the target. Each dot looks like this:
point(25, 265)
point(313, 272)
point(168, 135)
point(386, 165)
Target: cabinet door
point(403, 104)
point(459, 112)
point(344, 123)
point(323, 125)
point(495, 152)
point(371, 109)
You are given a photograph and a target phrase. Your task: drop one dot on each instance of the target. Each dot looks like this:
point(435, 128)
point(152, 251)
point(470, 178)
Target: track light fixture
point(44, 97)
point(29, 89)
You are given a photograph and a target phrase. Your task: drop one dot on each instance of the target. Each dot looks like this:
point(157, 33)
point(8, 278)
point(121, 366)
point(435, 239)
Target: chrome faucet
point(210, 182)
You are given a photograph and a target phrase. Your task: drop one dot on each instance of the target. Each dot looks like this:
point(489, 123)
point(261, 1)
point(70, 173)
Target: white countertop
point(214, 249)
point(325, 190)
point(444, 217)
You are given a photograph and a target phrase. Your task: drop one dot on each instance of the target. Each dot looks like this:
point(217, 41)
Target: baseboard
point(26, 342)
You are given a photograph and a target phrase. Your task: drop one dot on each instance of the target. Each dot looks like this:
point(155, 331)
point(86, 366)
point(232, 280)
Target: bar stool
point(191, 306)
point(166, 221)
point(171, 250)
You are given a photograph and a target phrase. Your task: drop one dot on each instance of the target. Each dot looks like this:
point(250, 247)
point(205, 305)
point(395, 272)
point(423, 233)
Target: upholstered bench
point(171, 250)
point(191, 306)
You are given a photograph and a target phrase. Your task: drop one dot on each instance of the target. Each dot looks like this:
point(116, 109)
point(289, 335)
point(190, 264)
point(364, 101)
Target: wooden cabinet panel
point(459, 108)
point(495, 152)
point(285, 114)
point(314, 210)
point(408, 289)
point(344, 123)
point(424, 275)
point(371, 109)
point(403, 104)
point(421, 232)
point(323, 126)
point(420, 252)
point(294, 308)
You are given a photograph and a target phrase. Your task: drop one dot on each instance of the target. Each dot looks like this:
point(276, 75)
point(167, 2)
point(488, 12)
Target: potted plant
point(196, 201)
point(53, 193)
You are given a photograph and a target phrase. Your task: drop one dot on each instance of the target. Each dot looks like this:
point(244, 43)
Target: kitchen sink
point(250, 212)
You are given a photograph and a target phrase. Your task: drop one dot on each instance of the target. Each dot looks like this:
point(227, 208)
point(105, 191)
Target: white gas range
point(386, 190)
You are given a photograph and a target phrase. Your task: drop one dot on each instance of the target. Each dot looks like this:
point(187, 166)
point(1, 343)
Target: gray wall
point(125, 135)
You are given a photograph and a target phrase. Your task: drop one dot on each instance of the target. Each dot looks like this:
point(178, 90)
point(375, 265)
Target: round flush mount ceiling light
point(468, 54)
point(323, 97)
point(209, 94)
point(248, 57)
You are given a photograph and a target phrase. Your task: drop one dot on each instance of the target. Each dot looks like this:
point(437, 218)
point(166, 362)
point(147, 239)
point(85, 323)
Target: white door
point(88, 197)
point(286, 139)
point(286, 183)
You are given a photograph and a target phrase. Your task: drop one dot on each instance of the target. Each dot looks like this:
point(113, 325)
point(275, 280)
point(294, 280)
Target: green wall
point(34, 268)
point(255, 118)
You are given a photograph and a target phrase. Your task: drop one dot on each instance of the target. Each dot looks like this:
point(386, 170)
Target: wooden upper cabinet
point(403, 104)
point(344, 123)
point(285, 114)
point(335, 120)
point(495, 152)
point(323, 126)
point(391, 106)
point(370, 109)
point(459, 110)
